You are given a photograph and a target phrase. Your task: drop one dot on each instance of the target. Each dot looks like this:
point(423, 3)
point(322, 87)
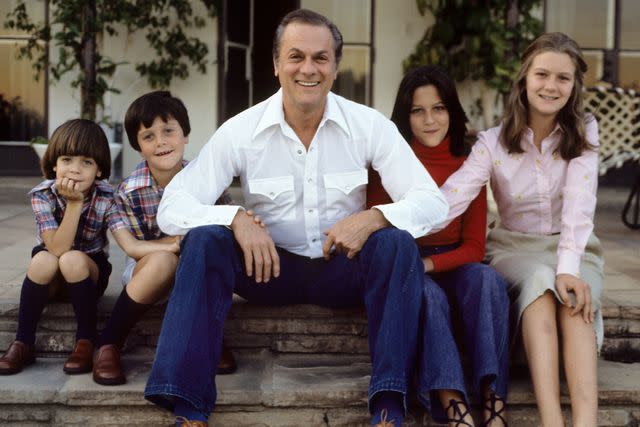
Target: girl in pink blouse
point(542, 162)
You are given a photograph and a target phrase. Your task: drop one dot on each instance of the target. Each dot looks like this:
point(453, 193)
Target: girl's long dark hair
point(432, 75)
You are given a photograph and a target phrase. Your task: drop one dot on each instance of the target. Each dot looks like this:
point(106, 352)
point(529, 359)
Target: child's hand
point(69, 190)
point(566, 283)
point(256, 218)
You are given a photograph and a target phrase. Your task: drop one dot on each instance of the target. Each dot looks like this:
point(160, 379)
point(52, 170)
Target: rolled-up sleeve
point(578, 204)
point(188, 200)
point(418, 205)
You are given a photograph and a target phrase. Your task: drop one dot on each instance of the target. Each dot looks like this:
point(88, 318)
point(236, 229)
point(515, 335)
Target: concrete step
point(298, 329)
point(290, 329)
point(269, 389)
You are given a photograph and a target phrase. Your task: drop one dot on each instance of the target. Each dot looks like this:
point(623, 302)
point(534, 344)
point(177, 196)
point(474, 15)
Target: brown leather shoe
point(227, 364)
point(183, 422)
point(106, 366)
point(81, 359)
point(17, 357)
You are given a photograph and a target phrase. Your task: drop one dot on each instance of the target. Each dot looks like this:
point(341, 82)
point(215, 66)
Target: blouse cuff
point(568, 263)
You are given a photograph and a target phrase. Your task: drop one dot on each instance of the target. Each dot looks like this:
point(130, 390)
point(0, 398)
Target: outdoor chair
point(618, 113)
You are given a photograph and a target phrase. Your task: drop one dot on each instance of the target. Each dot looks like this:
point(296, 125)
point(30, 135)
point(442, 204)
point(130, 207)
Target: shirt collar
point(274, 114)
point(141, 177)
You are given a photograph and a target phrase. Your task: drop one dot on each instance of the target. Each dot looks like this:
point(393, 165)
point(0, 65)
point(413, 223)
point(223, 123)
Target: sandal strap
point(490, 405)
point(457, 413)
point(383, 419)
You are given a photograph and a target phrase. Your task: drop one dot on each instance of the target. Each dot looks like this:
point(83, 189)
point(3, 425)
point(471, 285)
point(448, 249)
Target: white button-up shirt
point(300, 193)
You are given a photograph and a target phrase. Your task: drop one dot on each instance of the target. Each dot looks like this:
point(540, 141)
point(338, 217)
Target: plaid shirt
point(138, 197)
point(99, 211)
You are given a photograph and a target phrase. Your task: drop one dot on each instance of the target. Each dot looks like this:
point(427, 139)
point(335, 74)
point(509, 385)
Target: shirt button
point(314, 240)
point(310, 211)
point(299, 151)
point(309, 179)
point(272, 193)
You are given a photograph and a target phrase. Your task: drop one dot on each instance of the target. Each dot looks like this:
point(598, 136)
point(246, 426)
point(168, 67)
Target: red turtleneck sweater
point(469, 228)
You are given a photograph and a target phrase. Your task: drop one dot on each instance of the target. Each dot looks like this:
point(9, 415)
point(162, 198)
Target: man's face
point(306, 67)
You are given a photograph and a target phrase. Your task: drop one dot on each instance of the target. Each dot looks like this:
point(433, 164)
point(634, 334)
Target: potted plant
point(39, 144)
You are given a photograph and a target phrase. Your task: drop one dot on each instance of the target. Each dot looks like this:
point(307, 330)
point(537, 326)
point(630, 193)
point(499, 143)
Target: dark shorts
point(104, 271)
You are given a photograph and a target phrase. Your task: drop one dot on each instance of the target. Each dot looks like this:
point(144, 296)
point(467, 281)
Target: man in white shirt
point(302, 158)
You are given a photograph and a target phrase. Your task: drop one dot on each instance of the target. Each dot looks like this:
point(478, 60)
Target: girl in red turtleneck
point(457, 285)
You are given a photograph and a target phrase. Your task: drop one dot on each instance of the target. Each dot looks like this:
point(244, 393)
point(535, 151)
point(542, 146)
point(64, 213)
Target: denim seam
point(388, 385)
point(167, 389)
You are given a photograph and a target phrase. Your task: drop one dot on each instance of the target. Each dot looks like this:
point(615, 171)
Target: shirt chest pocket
point(273, 198)
point(345, 193)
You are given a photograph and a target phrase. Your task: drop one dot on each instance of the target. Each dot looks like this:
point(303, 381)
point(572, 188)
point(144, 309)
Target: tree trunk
point(88, 98)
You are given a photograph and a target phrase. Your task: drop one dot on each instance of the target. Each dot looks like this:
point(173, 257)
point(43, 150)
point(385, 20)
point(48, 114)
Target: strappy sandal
point(493, 399)
point(383, 420)
point(457, 413)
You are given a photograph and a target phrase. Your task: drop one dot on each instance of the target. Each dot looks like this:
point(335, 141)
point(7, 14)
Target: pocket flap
point(346, 181)
point(271, 187)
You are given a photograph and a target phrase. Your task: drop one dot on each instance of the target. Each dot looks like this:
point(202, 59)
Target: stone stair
point(298, 365)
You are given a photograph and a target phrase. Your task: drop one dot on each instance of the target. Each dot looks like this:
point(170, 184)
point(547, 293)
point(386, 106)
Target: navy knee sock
point(33, 299)
point(125, 315)
point(184, 409)
point(393, 402)
point(84, 301)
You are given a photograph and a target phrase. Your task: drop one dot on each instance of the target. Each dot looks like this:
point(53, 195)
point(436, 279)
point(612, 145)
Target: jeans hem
point(438, 414)
point(388, 385)
point(164, 396)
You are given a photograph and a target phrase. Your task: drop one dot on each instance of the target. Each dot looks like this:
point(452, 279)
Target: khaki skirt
point(529, 261)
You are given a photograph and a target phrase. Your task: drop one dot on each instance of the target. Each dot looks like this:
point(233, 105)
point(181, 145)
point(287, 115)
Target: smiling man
point(302, 158)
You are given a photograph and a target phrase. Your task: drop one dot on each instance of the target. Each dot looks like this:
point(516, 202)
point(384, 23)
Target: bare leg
point(540, 337)
point(152, 278)
point(581, 367)
point(76, 266)
point(43, 268)
point(445, 397)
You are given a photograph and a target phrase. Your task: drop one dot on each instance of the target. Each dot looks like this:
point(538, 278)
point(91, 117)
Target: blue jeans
point(475, 296)
point(386, 276)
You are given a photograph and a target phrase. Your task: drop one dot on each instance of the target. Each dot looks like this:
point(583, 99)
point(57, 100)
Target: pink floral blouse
point(536, 192)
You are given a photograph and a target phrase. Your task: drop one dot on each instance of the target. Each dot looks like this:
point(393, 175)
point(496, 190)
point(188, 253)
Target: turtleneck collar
point(440, 150)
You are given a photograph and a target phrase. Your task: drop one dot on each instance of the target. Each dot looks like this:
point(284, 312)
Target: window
point(246, 33)
point(22, 97)
point(353, 18)
point(608, 33)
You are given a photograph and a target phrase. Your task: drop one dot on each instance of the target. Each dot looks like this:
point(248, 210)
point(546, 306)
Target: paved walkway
point(17, 237)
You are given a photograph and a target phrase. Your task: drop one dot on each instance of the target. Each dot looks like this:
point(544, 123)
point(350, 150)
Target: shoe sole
point(109, 381)
point(76, 371)
point(15, 371)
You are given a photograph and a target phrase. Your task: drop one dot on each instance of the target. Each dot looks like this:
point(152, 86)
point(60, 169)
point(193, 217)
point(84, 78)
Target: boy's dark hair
point(78, 137)
point(432, 75)
point(144, 110)
point(306, 16)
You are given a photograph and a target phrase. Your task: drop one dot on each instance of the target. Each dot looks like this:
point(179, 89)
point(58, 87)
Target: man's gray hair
point(306, 16)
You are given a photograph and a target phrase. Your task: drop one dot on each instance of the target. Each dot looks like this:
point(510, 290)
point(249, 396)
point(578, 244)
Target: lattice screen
point(618, 114)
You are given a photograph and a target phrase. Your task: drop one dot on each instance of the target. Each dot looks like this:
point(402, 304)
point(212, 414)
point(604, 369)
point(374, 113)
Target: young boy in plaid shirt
point(73, 208)
point(157, 125)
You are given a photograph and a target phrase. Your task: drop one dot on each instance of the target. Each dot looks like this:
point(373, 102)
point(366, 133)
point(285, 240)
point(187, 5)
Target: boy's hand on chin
point(69, 190)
